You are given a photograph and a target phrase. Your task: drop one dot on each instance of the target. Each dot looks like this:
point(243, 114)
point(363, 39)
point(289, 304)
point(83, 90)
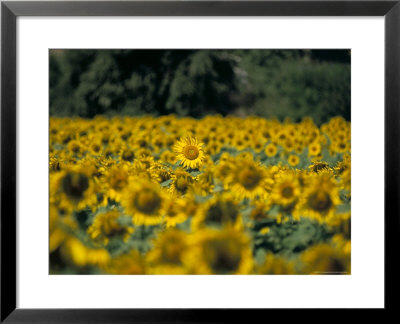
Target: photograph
point(199, 161)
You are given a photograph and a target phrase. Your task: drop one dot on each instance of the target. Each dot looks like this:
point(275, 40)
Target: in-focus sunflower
point(190, 152)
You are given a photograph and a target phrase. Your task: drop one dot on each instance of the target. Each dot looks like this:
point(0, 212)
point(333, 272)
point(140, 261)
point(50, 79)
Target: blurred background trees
point(269, 83)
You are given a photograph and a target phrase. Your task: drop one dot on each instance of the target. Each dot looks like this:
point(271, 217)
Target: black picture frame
point(10, 10)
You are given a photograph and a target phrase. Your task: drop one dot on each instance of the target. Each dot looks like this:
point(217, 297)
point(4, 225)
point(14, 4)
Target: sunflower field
point(217, 195)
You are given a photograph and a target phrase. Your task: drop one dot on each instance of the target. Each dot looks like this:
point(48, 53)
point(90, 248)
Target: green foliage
point(269, 83)
point(292, 237)
point(184, 82)
point(291, 84)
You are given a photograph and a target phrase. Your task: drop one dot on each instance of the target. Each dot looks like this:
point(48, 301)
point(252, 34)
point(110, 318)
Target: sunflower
point(220, 252)
point(55, 162)
point(190, 152)
point(106, 226)
point(245, 156)
point(282, 136)
point(96, 147)
point(220, 210)
point(75, 185)
point(158, 142)
point(72, 188)
point(223, 169)
point(144, 201)
point(341, 136)
point(168, 157)
point(248, 179)
point(75, 252)
point(141, 141)
point(342, 242)
point(345, 181)
point(116, 178)
point(225, 157)
point(257, 145)
point(318, 166)
point(75, 147)
point(343, 166)
point(299, 148)
point(320, 198)
point(276, 265)
point(143, 168)
point(341, 223)
point(113, 174)
point(146, 161)
point(174, 212)
point(190, 205)
point(260, 211)
point(288, 145)
point(314, 149)
point(271, 150)
point(325, 259)
point(60, 224)
point(162, 171)
point(286, 190)
point(181, 182)
point(131, 263)
point(213, 147)
point(126, 155)
point(166, 256)
point(239, 143)
point(341, 146)
point(205, 184)
point(293, 160)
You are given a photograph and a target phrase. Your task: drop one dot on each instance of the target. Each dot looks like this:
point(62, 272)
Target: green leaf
point(166, 183)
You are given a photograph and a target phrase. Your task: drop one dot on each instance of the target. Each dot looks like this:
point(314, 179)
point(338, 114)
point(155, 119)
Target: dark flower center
point(74, 185)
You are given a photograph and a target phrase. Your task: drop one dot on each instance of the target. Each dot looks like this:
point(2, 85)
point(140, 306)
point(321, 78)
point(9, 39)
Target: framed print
point(193, 160)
